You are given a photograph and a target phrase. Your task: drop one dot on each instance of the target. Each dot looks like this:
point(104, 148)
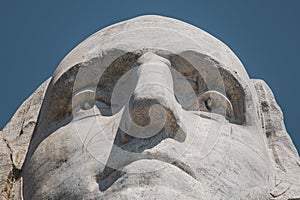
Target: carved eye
point(83, 100)
point(215, 102)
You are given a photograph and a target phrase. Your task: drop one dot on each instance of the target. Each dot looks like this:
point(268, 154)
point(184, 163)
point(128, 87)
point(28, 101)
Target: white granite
point(149, 108)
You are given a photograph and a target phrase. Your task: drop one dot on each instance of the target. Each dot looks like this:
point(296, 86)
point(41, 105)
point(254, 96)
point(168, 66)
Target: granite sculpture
point(149, 108)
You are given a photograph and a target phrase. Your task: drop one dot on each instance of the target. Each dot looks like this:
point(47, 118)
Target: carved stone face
point(149, 107)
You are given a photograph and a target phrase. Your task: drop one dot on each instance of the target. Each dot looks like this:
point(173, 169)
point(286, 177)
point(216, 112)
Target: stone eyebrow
point(230, 86)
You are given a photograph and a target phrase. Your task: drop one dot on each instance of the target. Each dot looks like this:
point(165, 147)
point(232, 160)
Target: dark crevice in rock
point(7, 193)
point(16, 173)
point(60, 162)
point(21, 131)
point(108, 177)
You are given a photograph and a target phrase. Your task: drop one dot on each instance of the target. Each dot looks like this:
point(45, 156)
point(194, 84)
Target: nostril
point(144, 112)
point(139, 111)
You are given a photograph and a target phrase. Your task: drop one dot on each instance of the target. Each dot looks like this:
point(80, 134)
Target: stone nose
point(153, 105)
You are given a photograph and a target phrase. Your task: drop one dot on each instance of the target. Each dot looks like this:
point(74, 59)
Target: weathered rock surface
point(284, 153)
point(149, 108)
point(14, 142)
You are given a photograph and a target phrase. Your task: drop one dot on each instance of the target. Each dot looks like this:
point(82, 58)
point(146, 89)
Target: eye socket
point(84, 100)
point(215, 102)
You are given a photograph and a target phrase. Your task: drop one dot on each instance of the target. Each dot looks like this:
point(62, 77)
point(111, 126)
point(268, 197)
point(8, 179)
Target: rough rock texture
point(149, 108)
point(284, 153)
point(15, 138)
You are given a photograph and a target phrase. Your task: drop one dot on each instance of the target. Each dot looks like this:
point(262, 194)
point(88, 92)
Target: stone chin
point(151, 107)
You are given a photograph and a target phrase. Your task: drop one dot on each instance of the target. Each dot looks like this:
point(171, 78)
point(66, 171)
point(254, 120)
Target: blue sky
point(35, 36)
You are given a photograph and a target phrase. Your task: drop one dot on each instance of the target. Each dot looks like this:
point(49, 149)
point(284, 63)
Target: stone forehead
point(153, 32)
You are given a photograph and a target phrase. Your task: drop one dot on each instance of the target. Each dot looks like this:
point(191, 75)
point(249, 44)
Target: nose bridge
point(155, 71)
point(154, 79)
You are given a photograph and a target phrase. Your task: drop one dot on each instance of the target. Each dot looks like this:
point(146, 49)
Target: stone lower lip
point(151, 164)
point(148, 163)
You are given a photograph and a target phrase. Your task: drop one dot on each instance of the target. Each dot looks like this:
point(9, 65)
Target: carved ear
point(282, 149)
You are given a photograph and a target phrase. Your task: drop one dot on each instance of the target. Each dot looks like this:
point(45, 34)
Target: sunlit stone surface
point(149, 108)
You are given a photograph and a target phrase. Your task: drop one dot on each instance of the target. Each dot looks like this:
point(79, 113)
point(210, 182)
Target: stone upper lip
point(118, 165)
